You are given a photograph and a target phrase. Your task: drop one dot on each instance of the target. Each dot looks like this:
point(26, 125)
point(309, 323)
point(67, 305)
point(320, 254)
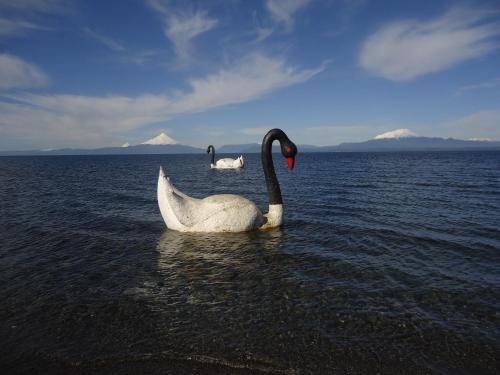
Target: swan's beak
point(290, 162)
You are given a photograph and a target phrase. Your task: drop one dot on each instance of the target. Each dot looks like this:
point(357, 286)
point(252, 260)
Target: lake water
point(387, 263)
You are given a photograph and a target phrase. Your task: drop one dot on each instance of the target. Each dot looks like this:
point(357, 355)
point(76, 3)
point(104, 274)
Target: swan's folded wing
point(226, 163)
point(184, 208)
point(179, 193)
point(191, 211)
point(215, 212)
point(177, 203)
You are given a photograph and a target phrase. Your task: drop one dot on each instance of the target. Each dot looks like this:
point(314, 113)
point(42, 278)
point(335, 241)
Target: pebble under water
point(387, 263)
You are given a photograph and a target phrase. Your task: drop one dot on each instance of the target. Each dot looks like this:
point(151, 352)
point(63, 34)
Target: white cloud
point(404, 50)
point(398, 133)
point(17, 73)
point(107, 41)
point(83, 120)
point(181, 27)
point(283, 11)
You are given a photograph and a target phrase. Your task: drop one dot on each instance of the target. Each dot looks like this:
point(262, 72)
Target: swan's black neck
point(211, 148)
point(273, 186)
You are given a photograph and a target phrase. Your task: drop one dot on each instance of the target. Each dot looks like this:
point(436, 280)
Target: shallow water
point(388, 262)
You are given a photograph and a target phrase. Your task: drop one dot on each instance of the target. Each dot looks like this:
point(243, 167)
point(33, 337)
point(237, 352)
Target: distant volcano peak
point(161, 139)
point(398, 133)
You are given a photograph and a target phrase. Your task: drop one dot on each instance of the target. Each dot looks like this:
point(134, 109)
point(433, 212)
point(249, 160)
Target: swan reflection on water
point(220, 248)
point(209, 269)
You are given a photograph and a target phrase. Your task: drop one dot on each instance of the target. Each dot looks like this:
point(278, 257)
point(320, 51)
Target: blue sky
point(100, 73)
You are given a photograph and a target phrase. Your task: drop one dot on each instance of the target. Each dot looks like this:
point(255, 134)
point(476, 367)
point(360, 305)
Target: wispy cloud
point(20, 16)
point(16, 27)
point(482, 124)
point(105, 40)
point(139, 57)
point(121, 53)
point(252, 77)
point(181, 26)
point(404, 50)
point(484, 85)
point(84, 121)
point(283, 11)
point(36, 6)
point(17, 73)
point(263, 33)
point(262, 29)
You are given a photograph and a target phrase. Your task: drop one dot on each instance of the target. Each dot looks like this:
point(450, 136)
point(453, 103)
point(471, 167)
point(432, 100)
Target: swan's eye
point(289, 149)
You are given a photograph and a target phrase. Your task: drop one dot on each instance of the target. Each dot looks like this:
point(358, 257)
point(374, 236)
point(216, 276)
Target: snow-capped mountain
point(161, 139)
point(398, 133)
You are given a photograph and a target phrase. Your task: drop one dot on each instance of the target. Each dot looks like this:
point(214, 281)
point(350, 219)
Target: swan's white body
point(216, 213)
point(228, 163)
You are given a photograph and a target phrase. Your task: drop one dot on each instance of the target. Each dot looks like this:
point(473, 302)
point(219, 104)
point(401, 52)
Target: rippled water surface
point(387, 263)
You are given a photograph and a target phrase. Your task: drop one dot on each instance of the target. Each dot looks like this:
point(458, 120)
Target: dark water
point(387, 263)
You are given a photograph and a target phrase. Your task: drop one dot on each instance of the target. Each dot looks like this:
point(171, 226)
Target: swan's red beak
point(290, 162)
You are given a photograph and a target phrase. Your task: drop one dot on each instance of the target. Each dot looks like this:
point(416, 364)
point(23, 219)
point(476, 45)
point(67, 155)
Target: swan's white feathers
point(228, 163)
point(216, 213)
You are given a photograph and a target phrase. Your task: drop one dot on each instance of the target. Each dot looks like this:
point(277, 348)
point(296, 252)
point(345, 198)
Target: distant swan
point(226, 163)
point(227, 212)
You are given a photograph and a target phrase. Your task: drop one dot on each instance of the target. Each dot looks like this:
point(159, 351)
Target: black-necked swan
point(227, 212)
point(226, 163)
